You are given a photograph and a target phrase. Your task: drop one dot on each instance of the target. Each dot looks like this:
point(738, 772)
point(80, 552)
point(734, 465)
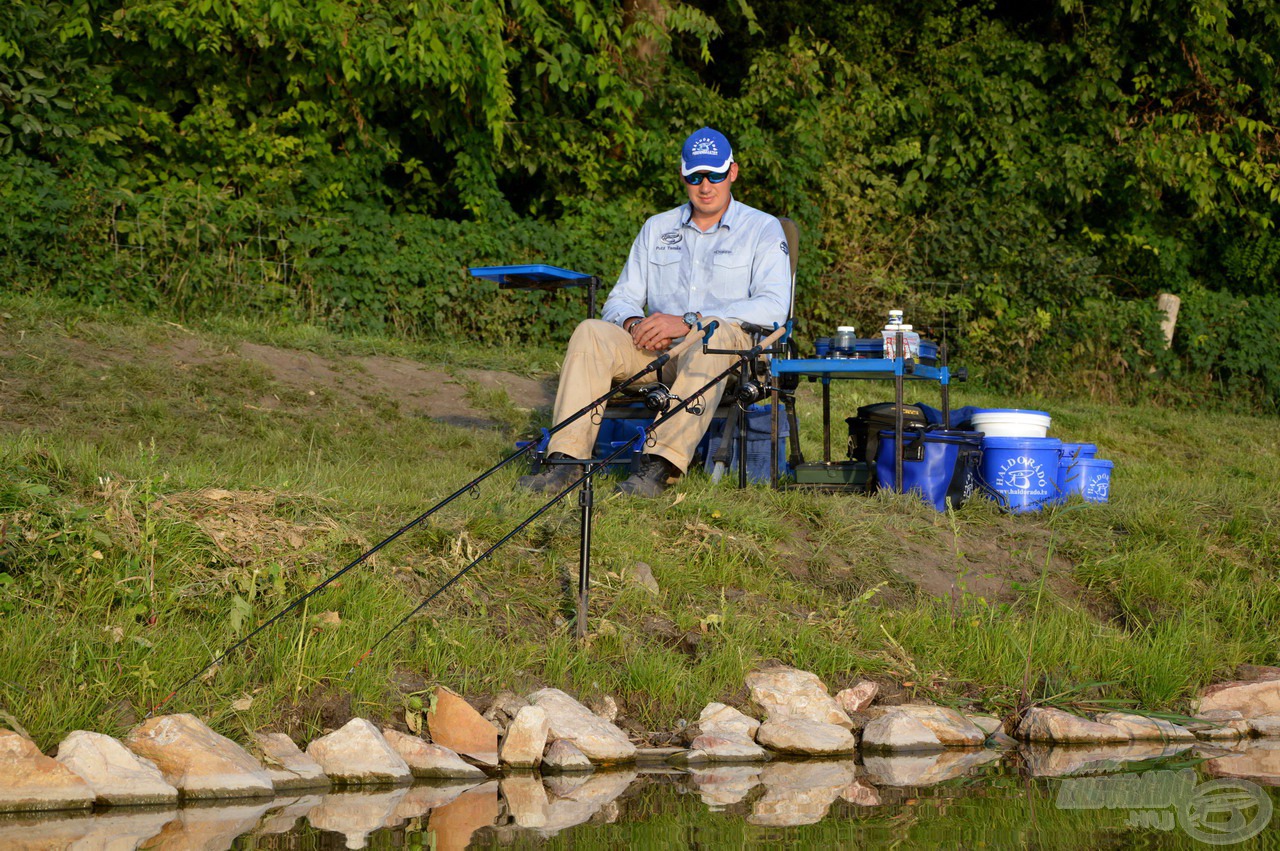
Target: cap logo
point(704, 146)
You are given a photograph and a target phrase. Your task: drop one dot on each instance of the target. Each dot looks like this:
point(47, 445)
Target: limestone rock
point(430, 760)
point(505, 707)
point(357, 753)
point(858, 698)
point(1142, 728)
point(563, 756)
point(1251, 700)
point(800, 793)
point(33, 781)
point(899, 731)
point(116, 775)
point(1266, 725)
point(718, 719)
point(783, 692)
point(1053, 725)
point(456, 725)
point(790, 734)
point(1219, 725)
point(196, 760)
point(605, 707)
point(731, 748)
point(601, 741)
point(287, 766)
point(952, 729)
point(526, 738)
point(987, 723)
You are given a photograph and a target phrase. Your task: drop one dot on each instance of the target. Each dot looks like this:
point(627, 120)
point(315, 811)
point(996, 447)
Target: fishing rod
point(470, 487)
point(591, 470)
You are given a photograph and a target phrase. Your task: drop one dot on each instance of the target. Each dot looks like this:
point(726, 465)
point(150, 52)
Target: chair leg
point(720, 461)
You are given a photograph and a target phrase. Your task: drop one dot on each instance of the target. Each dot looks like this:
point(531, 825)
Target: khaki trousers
point(601, 353)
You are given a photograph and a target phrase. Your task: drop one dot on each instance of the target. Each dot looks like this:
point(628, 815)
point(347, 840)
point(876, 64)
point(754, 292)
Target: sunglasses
point(713, 176)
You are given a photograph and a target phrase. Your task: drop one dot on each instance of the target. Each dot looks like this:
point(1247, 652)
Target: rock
point(858, 698)
point(732, 748)
point(601, 741)
point(33, 781)
point(456, 725)
point(987, 723)
point(287, 766)
point(1053, 725)
point(526, 799)
point(1219, 725)
point(899, 731)
point(1142, 728)
point(787, 692)
point(430, 760)
point(605, 707)
point(952, 729)
point(724, 785)
point(209, 826)
point(357, 753)
point(1258, 761)
point(1251, 700)
point(505, 707)
point(284, 813)
point(1001, 740)
point(802, 736)
point(196, 760)
point(924, 769)
point(720, 720)
point(563, 756)
point(110, 830)
point(642, 575)
point(799, 793)
point(425, 797)
point(357, 814)
point(526, 738)
point(117, 775)
point(1045, 761)
point(1267, 725)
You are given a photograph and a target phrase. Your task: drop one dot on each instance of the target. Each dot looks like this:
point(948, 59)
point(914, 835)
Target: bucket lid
point(1032, 443)
point(981, 411)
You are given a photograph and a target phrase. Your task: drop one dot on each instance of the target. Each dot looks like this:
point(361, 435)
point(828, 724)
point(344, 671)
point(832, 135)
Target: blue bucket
point(1022, 471)
point(1089, 477)
point(939, 465)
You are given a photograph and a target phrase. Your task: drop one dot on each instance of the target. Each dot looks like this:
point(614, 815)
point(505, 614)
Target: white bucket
point(1006, 422)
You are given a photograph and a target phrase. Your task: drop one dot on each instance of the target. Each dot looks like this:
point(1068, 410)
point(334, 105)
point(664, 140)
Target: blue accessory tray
point(531, 276)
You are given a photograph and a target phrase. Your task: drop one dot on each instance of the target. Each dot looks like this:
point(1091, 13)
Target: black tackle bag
point(864, 429)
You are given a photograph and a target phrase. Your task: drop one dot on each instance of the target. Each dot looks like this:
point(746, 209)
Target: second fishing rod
point(590, 471)
point(470, 487)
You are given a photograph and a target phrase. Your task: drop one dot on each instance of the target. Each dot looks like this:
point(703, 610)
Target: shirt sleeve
point(629, 294)
point(768, 298)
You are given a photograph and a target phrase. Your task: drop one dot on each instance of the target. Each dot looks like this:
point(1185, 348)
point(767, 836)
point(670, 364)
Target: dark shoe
point(552, 477)
point(652, 477)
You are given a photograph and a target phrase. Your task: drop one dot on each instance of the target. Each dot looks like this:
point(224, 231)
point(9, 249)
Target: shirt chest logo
point(672, 237)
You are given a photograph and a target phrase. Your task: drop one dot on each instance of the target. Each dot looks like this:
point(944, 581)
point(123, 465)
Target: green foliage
point(995, 171)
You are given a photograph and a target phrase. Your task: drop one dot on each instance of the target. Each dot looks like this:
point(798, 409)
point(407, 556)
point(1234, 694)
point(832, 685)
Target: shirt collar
point(726, 218)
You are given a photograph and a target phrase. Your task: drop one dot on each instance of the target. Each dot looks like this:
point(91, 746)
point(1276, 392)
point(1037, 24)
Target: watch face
point(690, 319)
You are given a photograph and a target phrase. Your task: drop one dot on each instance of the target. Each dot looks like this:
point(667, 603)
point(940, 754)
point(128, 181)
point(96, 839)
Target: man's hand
point(655, 333)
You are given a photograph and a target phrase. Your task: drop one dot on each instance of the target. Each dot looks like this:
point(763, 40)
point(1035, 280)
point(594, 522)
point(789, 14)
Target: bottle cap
point(845, 328)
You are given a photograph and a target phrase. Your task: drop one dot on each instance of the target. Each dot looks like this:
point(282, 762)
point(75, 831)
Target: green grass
point(121, 574)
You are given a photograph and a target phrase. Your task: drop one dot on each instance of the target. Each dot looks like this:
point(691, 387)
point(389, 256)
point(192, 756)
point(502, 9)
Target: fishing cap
point(705, 150)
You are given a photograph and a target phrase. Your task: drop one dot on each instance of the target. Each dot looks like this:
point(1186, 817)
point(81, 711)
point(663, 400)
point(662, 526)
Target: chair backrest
point(792, 232)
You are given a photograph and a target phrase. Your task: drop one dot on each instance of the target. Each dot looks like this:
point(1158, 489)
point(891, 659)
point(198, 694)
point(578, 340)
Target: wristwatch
point(691, 319)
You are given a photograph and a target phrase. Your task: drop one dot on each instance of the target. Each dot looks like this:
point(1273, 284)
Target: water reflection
point(842, 800)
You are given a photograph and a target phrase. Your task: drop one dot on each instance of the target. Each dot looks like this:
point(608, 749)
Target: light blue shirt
point(738, 269)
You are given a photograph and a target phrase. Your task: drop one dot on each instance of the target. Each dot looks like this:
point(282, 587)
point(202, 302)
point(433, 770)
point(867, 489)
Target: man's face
point(710, 199)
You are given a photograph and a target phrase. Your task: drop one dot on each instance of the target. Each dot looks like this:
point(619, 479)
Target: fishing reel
point(750, 391)
point(658, 398)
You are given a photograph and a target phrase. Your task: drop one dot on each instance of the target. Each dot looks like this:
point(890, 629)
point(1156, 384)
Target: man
point(713, 257)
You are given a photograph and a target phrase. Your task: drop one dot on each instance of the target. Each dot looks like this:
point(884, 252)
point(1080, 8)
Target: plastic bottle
point(890, 332)
point(845, 342)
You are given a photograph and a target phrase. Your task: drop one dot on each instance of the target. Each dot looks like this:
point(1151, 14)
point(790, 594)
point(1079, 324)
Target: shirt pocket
point(664, 272)
point(731, 275)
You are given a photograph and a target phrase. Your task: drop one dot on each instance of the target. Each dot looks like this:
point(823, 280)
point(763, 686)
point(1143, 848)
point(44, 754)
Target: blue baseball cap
point(705, 150)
